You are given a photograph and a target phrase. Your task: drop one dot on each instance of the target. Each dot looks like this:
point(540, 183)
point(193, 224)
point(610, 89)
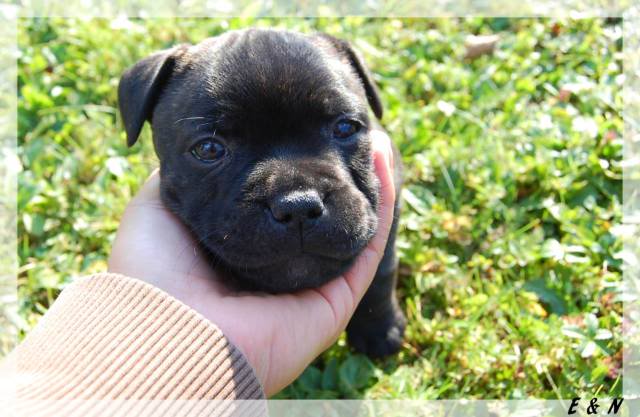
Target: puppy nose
point(296, 207)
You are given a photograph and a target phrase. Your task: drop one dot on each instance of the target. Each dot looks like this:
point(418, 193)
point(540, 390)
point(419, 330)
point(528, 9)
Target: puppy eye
point(208, 150)
point(345, 128)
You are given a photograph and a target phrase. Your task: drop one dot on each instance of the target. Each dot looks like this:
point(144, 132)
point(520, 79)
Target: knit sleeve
point(111, 337)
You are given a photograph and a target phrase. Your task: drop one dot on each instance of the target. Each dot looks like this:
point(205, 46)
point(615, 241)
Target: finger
point(384, 164)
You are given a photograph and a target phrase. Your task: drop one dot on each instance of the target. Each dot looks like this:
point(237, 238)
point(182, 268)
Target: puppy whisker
point(204, 124)
point(193, 118)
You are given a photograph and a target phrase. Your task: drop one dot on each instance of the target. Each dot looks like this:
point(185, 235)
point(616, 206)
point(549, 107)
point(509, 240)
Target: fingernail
point(390, 158)
point(152, 174)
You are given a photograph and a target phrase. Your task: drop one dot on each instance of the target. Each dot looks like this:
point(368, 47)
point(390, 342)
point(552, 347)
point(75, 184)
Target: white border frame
point(374, 8)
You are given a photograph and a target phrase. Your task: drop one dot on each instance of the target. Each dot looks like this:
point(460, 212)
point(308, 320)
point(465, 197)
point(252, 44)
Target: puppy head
point(263, 141)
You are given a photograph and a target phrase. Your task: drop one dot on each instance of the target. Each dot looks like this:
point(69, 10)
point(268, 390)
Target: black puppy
point(263, 141)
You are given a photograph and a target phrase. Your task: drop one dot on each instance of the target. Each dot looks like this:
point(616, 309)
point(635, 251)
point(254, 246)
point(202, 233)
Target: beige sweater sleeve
point(108, 336)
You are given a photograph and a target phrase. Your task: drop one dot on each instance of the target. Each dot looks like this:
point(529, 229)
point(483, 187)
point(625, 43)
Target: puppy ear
point(344, 48)
point(140, 87)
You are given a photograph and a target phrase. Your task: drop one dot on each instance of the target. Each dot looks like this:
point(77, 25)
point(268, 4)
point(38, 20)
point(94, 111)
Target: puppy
point(263, 141)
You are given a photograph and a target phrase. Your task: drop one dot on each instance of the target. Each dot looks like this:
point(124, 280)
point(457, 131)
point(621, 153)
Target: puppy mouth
point(289, 274)
point(258, 260)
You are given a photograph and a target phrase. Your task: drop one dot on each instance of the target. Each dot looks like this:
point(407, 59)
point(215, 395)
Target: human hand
point(278, 334)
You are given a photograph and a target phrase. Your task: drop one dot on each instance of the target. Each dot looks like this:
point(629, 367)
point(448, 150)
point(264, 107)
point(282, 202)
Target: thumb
point(359, 277)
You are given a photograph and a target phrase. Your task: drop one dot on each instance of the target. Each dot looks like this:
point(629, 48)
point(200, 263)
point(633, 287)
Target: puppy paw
point(379, 338)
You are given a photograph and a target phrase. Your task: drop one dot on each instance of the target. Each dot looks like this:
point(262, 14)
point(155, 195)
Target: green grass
point(510, 266)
